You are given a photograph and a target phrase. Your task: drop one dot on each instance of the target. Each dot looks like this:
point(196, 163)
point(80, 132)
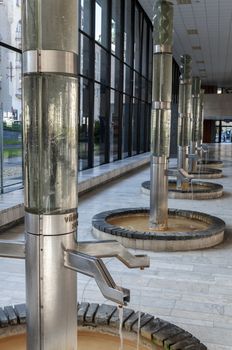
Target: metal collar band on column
point(158, 160)
point(50, 225)
point(186, 81)
point(162, 49)
point(161, 105)
point(50, 61)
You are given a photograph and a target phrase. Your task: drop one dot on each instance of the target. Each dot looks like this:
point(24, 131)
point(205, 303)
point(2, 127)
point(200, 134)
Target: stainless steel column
point(184, 117)
point(161, 112)
point(50, 55)
point(201, 120)
point(196, 89)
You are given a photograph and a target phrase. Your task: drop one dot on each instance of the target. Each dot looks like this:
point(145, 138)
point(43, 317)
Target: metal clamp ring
point(50, 61)
point(161, 105)
point(162, 48)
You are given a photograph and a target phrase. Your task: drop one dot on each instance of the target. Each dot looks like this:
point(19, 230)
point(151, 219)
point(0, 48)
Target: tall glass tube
point(161, 112)
point(196, 89)
point(185, 113)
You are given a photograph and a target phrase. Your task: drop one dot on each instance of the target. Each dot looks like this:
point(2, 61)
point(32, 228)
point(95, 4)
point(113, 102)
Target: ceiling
point(209, 40)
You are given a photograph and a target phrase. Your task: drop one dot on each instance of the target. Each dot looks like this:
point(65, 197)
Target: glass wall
point(115, 84)
point(118, 38)
point(10, 96)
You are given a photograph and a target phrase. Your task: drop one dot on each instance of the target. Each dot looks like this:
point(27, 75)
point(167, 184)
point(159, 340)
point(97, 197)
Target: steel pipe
point(201, 119)
point(50, 46)
point(184, 117)
point(196, 89)
point(161, 112)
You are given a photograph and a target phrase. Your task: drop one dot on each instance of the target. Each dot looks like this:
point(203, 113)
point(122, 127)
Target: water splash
point(140, 302)
point(138, 332)
point(192, 189)
point(120, 315)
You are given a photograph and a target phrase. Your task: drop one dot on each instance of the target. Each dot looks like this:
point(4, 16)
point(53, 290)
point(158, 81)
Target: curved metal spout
point(112, 248)
point(94, 267)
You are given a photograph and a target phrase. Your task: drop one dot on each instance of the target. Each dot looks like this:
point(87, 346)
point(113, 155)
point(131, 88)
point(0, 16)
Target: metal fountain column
point(184, 118)
point(196, 89)
point(50, 105)
point(161, 112)
point(201, 121)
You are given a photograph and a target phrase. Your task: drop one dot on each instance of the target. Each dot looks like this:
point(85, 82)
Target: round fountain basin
point(188, 230)
point(98, 329)
point(207, 173)
point(86, 340)
point(201, 173)
point(198, 190)
point(211, 163)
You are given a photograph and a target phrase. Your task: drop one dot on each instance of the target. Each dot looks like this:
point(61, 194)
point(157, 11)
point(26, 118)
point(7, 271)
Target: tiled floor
point(190, 289)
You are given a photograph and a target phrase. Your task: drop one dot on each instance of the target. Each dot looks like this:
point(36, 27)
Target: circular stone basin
point(211, 163)
point(93, 341)
point(98, 329)
point(207, 173)
point(188, 230)
point(201, 173)
point(196, 190)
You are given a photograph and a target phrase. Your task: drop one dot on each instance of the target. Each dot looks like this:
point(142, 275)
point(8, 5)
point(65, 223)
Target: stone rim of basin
point(105, 318)
point(100, 223)
point(206, 187)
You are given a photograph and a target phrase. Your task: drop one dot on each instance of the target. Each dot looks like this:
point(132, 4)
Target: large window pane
point(101, 65)
point(126, 127)
point(144, 49)
point(11, 116)
point(128, 44)
point(127, 80)
point(115, 74)
point(101, 22)
point(136, 85)
point(142, 125)
point(116, 28)
point(86, 57)
point(101, 97)
point(137, 40)
point(10, 22)
point(85, 110)
point(144, 85)
point(114, 124)
point(135, 126)
point(85, 13)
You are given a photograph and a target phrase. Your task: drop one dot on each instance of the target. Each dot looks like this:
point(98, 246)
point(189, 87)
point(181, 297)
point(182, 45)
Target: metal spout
point(86, 259)
point(94, 267)
point(112, 248)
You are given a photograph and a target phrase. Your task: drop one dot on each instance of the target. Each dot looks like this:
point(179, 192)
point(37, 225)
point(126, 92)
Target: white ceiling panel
point(213, 21)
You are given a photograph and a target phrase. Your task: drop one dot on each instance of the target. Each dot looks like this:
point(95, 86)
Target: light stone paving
point(191, 289)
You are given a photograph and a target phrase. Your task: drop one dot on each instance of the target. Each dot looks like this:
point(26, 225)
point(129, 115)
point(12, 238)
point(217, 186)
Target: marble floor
point(191, 289)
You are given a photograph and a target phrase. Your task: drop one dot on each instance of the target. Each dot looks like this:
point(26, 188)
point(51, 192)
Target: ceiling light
point(196, 47)
point(192, 31)
point(184, 2)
